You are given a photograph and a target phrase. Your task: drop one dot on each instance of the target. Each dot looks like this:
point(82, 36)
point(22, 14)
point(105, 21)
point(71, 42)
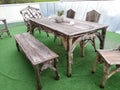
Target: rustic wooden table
point(72, 30)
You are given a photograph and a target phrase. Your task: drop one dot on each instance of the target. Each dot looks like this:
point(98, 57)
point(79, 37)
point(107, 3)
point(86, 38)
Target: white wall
point(11, 12)
point(110, 11)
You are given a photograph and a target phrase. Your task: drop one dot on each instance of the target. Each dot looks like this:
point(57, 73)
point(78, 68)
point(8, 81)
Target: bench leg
point(56, 71)
point(17, 45)
point(106, 74)
point(39, 86)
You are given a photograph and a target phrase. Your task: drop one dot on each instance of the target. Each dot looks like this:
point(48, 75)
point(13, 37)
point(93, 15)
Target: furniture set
point(72, 32)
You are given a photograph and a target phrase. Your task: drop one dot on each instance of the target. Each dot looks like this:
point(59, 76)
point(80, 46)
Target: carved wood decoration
point(30, 12)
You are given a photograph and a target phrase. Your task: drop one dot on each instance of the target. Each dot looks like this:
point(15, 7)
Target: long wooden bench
point(37, 53)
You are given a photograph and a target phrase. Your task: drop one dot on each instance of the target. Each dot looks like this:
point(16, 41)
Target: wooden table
point(72, 30)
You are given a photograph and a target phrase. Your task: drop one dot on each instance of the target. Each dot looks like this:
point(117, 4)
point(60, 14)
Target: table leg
point(69, 57)
point(102, 41)
point(32, 27)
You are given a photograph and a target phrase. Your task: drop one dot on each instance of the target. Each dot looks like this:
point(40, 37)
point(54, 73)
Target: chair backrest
point(30, 12)
point(70, 13)
point(93, 16)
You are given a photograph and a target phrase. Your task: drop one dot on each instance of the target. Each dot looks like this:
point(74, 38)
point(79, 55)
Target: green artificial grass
point(16, 72)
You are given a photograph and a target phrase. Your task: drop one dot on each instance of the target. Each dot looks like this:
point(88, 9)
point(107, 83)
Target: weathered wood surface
point(112, 57)
point(72, 31)
point(70, 13)
point(108, 58)
point(36, 51)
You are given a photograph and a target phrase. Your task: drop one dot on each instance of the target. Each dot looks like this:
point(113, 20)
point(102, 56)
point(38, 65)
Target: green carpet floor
point(16, 72)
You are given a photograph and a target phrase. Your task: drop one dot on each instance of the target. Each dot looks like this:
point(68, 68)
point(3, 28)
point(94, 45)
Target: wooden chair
point(92, 16)
point(5, 29)
point(30, 12)
point(109, 58)
point(70, 13)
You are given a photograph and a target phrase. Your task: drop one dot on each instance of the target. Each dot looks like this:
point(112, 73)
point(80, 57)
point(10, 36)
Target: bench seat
point(37, 53)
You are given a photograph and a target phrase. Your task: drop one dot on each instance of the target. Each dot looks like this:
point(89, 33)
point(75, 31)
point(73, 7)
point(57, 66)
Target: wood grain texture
point(36, 51)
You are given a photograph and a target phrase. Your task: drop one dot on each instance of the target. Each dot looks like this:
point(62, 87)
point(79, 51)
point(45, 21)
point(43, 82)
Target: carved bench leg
point(39, 86)
point(56, 71)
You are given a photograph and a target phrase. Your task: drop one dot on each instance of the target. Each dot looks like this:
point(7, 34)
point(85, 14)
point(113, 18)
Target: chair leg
point(55, 37)
point(56, 71)
point(98, 57)
point(82, 45)
point(6, 28)
point(93, 43)
point(106, 74)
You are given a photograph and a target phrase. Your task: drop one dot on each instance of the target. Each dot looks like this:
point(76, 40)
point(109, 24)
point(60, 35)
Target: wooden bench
point(109, 58)
point(37, 53)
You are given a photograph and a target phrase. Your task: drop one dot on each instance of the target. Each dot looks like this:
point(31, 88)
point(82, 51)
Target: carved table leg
point(102, 41)
point(70, 57)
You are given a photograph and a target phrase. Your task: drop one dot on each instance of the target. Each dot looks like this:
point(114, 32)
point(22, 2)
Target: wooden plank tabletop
point(68, 29)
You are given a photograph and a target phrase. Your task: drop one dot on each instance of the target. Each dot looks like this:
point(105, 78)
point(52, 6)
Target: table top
point(69, 27)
